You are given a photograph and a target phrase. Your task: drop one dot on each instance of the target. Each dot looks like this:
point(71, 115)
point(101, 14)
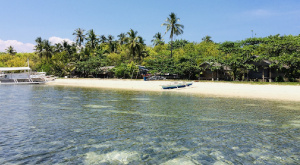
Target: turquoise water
point(63, 125)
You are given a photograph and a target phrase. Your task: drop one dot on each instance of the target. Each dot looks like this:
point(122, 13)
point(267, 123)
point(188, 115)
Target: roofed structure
point(219, 72)
point(262, 70)
point(5, 69)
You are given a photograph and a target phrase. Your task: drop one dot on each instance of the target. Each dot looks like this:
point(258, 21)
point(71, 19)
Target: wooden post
point(263, 74)
point(270, 75)
point(217, 75)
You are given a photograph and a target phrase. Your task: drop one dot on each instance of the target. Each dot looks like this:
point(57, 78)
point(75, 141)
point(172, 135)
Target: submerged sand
point(219, 89)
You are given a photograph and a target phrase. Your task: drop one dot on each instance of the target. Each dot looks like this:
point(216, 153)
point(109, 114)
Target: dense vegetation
point(90, 52)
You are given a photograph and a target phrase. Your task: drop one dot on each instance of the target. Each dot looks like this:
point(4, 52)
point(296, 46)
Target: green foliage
point(129, 51)
point(178, 44)
point(121, 71)
point(90, 66)
point(128, 70)
point(20, 60)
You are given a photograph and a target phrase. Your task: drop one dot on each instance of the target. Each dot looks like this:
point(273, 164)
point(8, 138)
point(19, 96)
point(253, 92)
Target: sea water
point(42, 124)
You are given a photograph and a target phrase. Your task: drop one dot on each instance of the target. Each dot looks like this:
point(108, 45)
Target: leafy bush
point(279, 79)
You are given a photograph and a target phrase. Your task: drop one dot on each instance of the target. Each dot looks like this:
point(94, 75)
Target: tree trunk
point(132, 74)
point(247, 75)
point(171, 46)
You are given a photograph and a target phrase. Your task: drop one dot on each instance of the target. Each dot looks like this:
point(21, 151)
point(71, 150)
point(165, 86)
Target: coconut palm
point(111, 43)
point(10, 50)
point(67, 47)
point(172, 25)
point(140, 48)
point(79, 33)
point(207, 39)
point(43, 47)
point(92, 39)
point(47, 49)
point(122, 38)
point(157, 39)
point(103, 39)
point(110, 39)
point(58, 47)
point(135, 43)
point(39, 46)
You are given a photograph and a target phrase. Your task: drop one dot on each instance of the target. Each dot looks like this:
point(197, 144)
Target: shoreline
point(214, 89)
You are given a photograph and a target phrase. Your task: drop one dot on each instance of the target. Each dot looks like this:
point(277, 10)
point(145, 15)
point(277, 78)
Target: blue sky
point(22, 21)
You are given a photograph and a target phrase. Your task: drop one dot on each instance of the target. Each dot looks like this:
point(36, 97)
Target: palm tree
point(79, 36)
point(103, 39)
point(67, 47)
point(58, 47)
point(207, 39)
point(157, 39)
point(47, 49)
point(92, 39)
point(135, 43)
point(111, 43)
point(10, 50)
point(140, 48)
point(39, 46)
point(171, 23)
point(110, 38)
point(122, 38)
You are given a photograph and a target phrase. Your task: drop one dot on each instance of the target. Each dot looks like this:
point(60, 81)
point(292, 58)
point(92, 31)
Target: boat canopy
point(13, 68)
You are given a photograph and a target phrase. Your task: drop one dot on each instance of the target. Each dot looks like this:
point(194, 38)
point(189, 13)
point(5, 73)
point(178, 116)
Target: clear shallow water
point(61, 125)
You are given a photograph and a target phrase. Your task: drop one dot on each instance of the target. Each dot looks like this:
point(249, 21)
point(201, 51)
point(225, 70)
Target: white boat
point(21, 75)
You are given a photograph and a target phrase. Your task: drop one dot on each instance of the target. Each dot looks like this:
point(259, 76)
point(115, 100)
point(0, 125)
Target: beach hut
point(214, 71)
point(262, 70)
point(106, 72)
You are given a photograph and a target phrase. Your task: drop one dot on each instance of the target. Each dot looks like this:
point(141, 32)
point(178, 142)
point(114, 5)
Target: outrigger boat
point(189, 83)
point(177, 85)
point(24, 75)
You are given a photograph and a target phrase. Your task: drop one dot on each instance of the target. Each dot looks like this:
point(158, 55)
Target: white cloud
point(18, 46)
point(28, 47)
point(55, 40)
point(262, 13)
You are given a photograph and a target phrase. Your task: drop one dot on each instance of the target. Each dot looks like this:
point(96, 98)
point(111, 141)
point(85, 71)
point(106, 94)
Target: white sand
point(269, 92)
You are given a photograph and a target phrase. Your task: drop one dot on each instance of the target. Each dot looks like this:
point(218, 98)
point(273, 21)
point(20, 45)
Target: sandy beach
point(218, 89)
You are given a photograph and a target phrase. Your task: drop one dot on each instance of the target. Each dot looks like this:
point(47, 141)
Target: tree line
point(91, 52)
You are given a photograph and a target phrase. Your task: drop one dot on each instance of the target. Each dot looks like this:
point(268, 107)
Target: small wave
point(141, 99)
point(97, 106)
point(124, 157)
point(289, 107)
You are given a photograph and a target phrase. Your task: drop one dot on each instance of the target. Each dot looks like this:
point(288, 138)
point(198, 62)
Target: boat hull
point(169, 86)
point(21, 83)
point(177, 85)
